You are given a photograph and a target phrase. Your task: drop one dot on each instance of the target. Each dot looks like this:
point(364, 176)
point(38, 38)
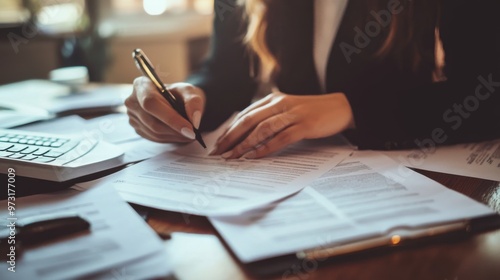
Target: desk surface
point(196, 252)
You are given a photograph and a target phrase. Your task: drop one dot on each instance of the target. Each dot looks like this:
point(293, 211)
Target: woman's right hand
point(153, 118)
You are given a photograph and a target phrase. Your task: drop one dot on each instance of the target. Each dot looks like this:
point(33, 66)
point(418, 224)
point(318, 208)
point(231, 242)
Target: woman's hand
point(153, 118)
point(279, 120)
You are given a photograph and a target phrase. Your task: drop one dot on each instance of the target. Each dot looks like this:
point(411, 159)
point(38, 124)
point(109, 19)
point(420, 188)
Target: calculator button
point(14, 140)
point(53, 154)
point(5, 154)
point(5, 146)
point(43, 159)
point(23, 141)
point(31, 142)
point(4, 139)
point(29, 150)
point(39, 143)
point(57, 144)
point(29, 157)
point(17, 156)
point(68, 146)
point(41, 151)
point(17, 148)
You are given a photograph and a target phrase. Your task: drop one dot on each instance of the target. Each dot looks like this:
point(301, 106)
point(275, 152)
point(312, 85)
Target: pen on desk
point(146, 67)
point(36, 230)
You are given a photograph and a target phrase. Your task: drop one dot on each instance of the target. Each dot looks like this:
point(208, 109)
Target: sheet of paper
point(113, 128)
point(366, 196)
point(10, 118)
point(187, 180)
point(150, 267)
point(478, 160)
point(55, 98)
point(118, 235)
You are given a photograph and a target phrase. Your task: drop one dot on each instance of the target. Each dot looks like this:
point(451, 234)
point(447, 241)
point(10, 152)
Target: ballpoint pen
point(37, 230)
point(146, 67)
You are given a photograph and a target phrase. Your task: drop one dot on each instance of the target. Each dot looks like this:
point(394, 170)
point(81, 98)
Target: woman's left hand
point(279, 120)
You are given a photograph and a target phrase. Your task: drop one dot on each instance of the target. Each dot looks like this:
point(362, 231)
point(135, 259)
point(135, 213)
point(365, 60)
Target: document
point(187, 180)
point(113, 128)
point(366, 196)
point(118, 236)
point(56, 99)
point(478, 160)
point(150, 267)
point(11, 118)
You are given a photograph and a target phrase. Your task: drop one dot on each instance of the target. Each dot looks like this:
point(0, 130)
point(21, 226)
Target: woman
point(387, 73)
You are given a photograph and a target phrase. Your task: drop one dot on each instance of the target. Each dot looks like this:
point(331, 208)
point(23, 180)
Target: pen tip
point(200, 140)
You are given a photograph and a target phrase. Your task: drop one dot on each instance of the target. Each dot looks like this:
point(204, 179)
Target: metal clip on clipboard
point(396, 237)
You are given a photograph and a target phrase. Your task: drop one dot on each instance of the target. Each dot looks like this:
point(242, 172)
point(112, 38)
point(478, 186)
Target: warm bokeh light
point(57, 18)
point(155, 7)
point(395, 239)
point(204, 6)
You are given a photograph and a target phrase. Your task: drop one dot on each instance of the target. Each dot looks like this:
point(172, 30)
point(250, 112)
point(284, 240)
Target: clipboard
point(398, 238)
point(358, 209)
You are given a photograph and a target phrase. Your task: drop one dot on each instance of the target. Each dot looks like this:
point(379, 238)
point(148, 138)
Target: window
point(13, 12)
point(160, 7)
point(48, 16)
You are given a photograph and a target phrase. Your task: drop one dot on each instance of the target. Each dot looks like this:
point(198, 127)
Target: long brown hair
point(410, 39)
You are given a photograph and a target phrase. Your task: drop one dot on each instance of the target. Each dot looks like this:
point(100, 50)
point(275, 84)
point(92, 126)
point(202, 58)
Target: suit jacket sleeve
point(225, 76)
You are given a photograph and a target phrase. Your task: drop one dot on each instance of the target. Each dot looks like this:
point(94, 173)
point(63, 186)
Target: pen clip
point(146, 67)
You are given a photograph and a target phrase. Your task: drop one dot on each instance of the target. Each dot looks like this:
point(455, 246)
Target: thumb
point(194, 101)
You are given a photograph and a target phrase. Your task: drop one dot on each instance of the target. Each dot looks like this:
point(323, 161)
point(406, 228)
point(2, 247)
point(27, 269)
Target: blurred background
point(39, 36)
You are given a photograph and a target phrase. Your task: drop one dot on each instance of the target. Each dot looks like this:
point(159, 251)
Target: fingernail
point(227, 155)
point(197, 119)
point(188, 133)
point(250, 155)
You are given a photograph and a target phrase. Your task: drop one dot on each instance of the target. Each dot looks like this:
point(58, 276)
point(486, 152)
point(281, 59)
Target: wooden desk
point(195, 251)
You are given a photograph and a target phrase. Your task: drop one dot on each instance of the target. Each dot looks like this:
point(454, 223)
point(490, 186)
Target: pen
point(146, 67)
point(37, 230)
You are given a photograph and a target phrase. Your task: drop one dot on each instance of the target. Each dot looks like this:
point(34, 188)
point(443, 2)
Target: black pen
point(146, 67)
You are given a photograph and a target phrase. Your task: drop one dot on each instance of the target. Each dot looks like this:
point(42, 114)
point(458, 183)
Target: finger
point(257, 104)
point(243, 126)
point(286, 137)
point(152, 123)
point(153, 103)
point(260, 135)
point(147, 134)
point(131, 102)
point(194, 101)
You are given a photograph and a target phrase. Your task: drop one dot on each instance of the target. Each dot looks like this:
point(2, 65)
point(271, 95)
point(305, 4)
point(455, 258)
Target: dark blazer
point(393, 108)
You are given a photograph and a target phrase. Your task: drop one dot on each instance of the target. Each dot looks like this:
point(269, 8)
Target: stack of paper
point(119, 241)
point(56, 99)
point(187, 180)
point(311, 195)
point(365, 197)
